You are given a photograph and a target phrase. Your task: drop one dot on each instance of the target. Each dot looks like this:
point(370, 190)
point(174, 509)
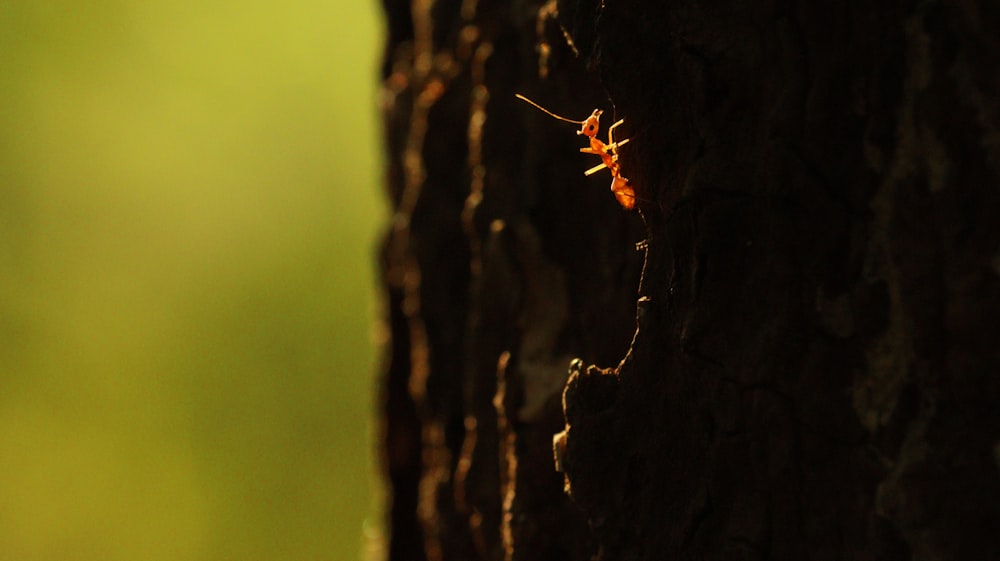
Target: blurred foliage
point(187, 199)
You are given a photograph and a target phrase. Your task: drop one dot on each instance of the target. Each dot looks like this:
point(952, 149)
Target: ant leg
point(595, 169)
point(621, 143)
point(589, 150)
point(612, 149)
point(611, 132)
point(612, 145)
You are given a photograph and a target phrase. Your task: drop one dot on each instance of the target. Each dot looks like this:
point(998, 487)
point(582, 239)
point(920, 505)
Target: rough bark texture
point(789, 351)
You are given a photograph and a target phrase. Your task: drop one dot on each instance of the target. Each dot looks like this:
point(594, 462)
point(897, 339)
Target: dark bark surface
point(789, 351)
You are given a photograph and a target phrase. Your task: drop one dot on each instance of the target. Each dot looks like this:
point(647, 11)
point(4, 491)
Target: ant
point(608, 152)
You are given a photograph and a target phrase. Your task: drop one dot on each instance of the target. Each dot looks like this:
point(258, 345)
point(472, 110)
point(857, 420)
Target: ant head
point(591, 124)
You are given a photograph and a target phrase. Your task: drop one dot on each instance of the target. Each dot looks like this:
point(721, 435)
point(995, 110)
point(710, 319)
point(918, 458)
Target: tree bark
point(789, 350)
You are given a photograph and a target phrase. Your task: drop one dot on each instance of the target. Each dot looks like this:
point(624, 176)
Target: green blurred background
point(188, 197)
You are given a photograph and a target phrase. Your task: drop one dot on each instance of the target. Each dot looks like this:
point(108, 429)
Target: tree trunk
point(789, 350)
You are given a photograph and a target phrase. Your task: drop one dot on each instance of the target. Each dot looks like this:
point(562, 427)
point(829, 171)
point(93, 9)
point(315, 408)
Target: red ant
point(608, 152)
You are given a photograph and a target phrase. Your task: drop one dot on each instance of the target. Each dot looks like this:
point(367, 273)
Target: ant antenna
point(547, 112)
